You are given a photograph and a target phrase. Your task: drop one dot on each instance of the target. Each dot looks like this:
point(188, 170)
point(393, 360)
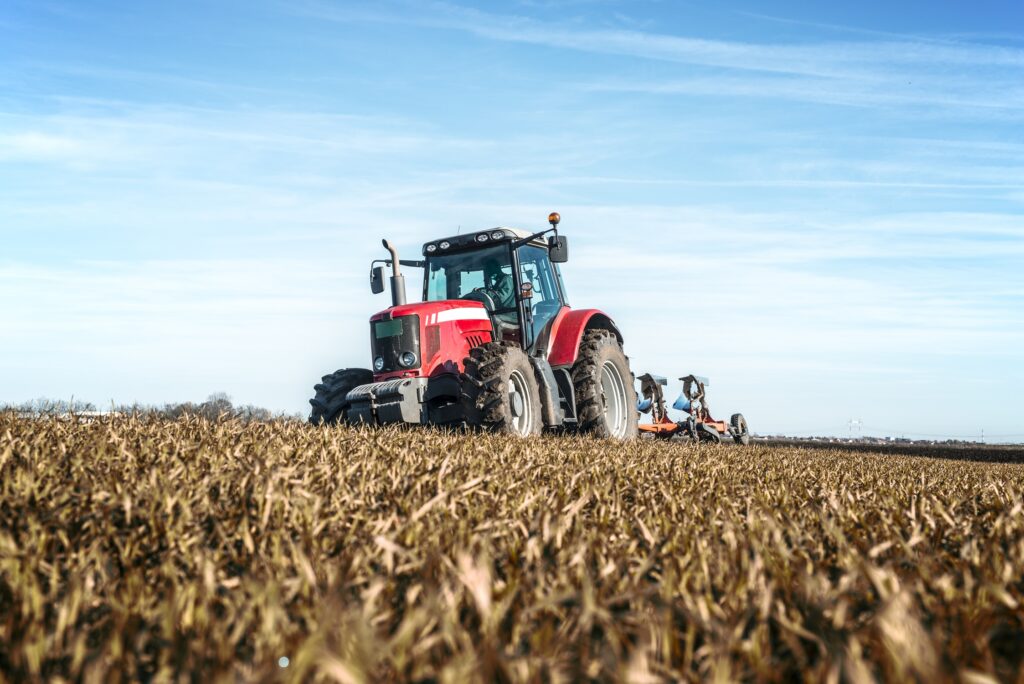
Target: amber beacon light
point(554, 218)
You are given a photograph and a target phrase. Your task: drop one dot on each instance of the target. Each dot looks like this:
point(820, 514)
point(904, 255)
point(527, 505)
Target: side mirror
point(558, 249)
point(377, 280)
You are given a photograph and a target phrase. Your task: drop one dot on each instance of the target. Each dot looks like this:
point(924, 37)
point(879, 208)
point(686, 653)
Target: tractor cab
point(512, 273)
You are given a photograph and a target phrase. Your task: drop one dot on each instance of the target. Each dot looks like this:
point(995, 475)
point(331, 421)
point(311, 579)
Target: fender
point(567, 331)
point(550, 395)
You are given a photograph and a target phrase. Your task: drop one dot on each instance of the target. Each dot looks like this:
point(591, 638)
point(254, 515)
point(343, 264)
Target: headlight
point(431, 248)
point(445, 244)
point(408, 359)
point(378, 364)
point(482, 237)
point(498, 234)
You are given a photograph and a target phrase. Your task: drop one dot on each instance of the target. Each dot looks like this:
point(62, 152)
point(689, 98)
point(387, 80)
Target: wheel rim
point(519, 403)
point(614, 392)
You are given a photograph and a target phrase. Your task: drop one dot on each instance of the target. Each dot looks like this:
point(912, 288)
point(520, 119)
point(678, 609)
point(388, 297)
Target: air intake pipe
point(397, 279)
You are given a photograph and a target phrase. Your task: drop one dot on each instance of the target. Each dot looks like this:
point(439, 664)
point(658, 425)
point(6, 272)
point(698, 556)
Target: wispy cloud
point(900, 70)
point(834, 59)
point(33, 145)
point(1001, 97)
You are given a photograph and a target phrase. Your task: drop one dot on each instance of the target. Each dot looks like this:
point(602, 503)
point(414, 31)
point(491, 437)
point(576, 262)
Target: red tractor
point(493, 344)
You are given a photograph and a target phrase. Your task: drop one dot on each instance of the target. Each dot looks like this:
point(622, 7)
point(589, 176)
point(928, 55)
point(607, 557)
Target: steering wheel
point(483, 296)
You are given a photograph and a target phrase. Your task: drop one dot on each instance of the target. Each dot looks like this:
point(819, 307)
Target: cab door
point(534, 267)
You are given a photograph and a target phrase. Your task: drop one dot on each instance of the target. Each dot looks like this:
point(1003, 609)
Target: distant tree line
point(51, 407)
point(217, 406)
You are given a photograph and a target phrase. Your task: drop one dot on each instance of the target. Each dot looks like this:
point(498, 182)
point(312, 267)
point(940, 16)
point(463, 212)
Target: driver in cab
point(499, 285)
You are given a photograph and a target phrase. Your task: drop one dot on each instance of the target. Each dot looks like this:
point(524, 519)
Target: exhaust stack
point(397, 279)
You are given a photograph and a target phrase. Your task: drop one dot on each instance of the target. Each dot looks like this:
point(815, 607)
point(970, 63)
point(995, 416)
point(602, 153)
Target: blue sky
point(820, 206)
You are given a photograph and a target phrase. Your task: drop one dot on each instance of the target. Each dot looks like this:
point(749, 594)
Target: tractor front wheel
point(329, 404)
point(500, 390)
point(605, 397)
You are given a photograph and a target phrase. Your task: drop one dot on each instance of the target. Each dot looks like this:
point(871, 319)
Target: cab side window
point(535, 268)
point(437, 284)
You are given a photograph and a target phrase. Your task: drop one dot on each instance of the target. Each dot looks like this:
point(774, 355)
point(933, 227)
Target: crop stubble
point(135, 548)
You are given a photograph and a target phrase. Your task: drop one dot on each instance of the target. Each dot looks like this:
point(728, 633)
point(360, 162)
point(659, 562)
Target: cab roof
point(474, 240)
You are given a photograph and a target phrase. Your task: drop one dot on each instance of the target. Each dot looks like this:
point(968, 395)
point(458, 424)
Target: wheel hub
point(613, 393)
point(516, 404)
point(519, 404)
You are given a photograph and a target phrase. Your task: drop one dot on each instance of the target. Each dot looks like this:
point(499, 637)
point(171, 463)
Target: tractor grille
point(433, 342)
point(475, 340)
point(389, 339)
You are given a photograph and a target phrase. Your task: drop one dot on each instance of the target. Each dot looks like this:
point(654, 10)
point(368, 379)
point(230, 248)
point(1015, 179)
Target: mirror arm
point(522, 241)
point(404, 262)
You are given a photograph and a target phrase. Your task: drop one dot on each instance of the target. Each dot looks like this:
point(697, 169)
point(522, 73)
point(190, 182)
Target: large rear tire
point(740, 431)
point(500, 390)
point(605, 396)
point(329, 404)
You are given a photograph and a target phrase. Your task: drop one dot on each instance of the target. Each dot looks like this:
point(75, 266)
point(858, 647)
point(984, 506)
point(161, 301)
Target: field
point(148, 549)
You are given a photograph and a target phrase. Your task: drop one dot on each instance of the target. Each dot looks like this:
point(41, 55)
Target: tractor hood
point(426, 339)
point(447, 310)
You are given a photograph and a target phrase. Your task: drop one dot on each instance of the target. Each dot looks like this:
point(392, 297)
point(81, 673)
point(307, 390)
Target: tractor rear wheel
point(329, 404)
point(605, 396)
point(500, 390)
point(740, 431)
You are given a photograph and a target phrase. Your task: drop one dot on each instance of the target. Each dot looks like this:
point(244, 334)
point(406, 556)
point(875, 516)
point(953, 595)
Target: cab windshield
point(453, 276)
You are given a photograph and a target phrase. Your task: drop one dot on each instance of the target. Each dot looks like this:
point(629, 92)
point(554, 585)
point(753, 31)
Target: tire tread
point(329, 405)
point(586, 382)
